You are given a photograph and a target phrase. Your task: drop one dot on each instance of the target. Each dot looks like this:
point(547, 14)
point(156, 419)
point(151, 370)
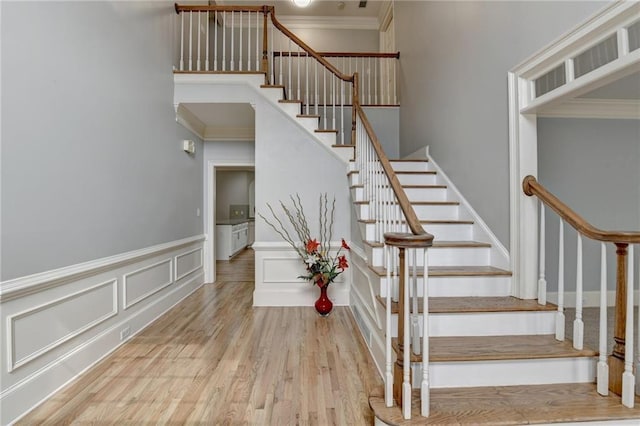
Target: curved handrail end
point(526, 184)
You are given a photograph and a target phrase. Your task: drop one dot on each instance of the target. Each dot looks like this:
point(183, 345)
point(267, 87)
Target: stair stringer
point(243, 88)
point(499, 255)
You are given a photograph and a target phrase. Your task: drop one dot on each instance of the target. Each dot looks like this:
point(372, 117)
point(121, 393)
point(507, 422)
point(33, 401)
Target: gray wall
point(92, 163)
point(594, 167)
point(232, 187)
point(453, 84)
point(335, 40)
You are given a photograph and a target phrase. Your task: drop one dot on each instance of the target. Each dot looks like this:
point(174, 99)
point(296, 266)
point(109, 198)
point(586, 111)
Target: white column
point(560, 315)
point(424, 386)
point(603, 367)
point(542, 282)
point(628, 379)
point(578, 325)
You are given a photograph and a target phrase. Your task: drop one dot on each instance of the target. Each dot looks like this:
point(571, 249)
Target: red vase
point(323, 304)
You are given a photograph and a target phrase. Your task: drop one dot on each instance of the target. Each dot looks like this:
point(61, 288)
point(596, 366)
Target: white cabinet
point(252, 232)
point(230, 239)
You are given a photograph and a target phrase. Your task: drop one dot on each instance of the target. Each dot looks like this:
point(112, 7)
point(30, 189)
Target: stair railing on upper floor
point(243, 41)
point(616, 375)
point(377, 71)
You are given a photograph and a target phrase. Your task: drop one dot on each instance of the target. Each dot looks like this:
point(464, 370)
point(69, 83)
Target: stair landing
point(512, 405)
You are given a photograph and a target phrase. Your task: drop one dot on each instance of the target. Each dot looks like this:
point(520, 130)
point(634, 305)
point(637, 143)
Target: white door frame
point(525, 107)
point(209, 244)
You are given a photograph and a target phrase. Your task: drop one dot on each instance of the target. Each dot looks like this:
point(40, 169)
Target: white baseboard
point(276, 278)
point(88, 310)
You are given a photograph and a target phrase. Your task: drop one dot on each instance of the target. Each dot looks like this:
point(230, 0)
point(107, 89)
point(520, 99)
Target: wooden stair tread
point(452, 271)
point(290, 101)
point(343, 145)
point(272, 86)
point(408, 160)
point(424, 222)
point(495, 348)
point(475, 304)
point(307, 116)
point(425, 186)
point(434, 203)
point(220, 72)
point(414, 172)
point(509, 405)
point(326, 131)
point(442, 244)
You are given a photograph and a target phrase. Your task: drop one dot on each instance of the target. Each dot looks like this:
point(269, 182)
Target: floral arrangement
point(322, 268)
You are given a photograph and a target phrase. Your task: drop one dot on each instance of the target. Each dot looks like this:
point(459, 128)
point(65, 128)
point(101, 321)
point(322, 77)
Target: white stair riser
point(411, 166)
point(354, 179)
point(367, 230)
point(436, 212)
point(345, 154)
point(362, 211)
point(291, 108)
point(486, 323)
point(444, 256)
point(426, 194)
point(507, 372)
point(450, 231)
point(329, 139)
point(309, 123)
point(421, 179)
point(487, 286)
point(273, 93)
point(357, 193)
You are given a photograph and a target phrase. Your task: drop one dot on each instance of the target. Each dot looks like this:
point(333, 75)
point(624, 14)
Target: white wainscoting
point(60, 323)
point(276, 278)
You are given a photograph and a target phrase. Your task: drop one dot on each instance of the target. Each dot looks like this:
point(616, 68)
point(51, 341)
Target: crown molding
point(213, 133)
point(192, 123)
point(595, 108)
point(329, 22)
point(386, 15)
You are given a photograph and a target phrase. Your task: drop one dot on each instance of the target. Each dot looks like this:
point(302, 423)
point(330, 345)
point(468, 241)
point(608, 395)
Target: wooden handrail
point(308, 49)
point(343, 54)
point(405, 204)
point(531, 186)
point(204, 8)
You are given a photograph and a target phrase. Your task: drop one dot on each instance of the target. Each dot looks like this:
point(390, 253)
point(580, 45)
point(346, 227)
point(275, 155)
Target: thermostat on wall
point(189, 146)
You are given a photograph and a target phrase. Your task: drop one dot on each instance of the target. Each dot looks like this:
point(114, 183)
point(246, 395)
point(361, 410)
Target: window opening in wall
point(596, 56)
point(634, 36)
point(551, 80)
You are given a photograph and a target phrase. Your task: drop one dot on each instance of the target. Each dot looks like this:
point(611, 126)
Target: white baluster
point(215, 40)
point(269, 58)
point(376, 64)
point(324, 96)
point(342, 113)
point(181, 41)
point(317, 91)
point(406, 367)
point(424, 386)
point(290, 87)
point(191, 40)
point(603, 367)
point(542, 282)
point(249, 40)
point(388, 391)
point(333, 101)
point(240, 43)
point(369, 79)
point(628, 379)
point(224, 40)
point(198, 63)
point(232, 65)
point(206, 57)
point(395, 95)
point(298, 70)
point(578, 325)
point(306, 81)
point(560, 314)
point(415, 320)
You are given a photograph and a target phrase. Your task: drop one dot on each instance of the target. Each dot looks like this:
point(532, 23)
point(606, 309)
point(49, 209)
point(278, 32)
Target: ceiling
point(627, 88)
point(317, 7)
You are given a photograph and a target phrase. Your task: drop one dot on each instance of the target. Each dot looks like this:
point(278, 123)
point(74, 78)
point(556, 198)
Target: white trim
point(189, 121)
point(209, 253)
point(125, 302)
point(215, 133)
point(23, 286)
point(14, 363)
point(192, 270)
point(23, 396)
point(385, 15)
point(329, 22)
point(595, 108)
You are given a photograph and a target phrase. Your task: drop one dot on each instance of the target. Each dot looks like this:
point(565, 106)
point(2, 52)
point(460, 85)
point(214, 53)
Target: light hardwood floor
point(214, 359)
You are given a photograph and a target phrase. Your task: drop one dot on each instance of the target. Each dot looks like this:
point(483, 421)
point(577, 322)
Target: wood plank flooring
point(214, 359)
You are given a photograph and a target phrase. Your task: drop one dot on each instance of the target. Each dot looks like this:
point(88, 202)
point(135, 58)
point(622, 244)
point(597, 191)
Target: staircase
point(492, 357)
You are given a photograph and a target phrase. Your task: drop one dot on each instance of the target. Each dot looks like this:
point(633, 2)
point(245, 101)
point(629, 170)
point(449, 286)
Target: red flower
point(345, 245)
point(312, 245)
point(342, 262)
